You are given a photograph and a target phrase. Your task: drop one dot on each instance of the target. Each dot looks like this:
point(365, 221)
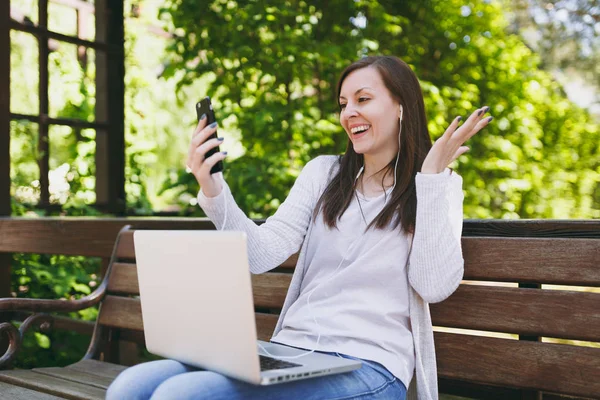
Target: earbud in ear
point(401, 112)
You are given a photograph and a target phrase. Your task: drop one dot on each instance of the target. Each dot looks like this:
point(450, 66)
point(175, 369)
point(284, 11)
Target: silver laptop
point(197, 308)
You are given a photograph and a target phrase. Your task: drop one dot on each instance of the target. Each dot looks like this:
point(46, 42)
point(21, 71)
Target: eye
point(342, 106)
point(362, 99)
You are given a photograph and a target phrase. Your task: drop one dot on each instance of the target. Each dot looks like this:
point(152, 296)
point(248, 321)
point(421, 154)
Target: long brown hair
point(415, 143)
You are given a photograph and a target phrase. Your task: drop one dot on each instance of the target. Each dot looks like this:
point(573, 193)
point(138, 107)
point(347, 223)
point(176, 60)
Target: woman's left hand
point(450, 146)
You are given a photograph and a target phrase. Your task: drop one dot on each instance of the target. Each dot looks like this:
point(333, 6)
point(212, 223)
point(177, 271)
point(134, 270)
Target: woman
point(379, 233)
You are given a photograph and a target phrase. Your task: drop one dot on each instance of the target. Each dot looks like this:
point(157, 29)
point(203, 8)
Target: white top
point(361, 306)
point(435, 266)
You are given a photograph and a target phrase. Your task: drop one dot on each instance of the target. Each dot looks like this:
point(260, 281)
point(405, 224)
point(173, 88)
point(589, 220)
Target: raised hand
point(199, 165)
point(450, 146)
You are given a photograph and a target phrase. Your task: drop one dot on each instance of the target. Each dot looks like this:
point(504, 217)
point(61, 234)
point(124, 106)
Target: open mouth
point(358, 130)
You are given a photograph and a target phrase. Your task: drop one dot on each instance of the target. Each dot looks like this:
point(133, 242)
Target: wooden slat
point(93, 237)
point(123, 279)
point(126, 313)
point(265, 325)
point(291, 262)
point(100, 368)
point(96, 236)
point(269, 289)
point(126, 249)
point(556, 368)
point(85, 237)
point(558, 261)
point(536, 312)
point(52, 385)
point(121, 312)
point(553, 396)
point(550, 228)
point(72, 375)
point(457, 390)
point(12, 392)
point(452, 388)
point(133, 336)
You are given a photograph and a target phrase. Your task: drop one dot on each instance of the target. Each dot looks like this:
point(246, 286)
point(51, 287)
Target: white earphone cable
point(334, 273)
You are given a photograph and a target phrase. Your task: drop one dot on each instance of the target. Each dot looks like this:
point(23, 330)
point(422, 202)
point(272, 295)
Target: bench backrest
point(502, 297)
point(521, 290)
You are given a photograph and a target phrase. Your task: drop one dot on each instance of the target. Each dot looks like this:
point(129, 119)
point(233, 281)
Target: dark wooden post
point(43, 145)
point(5, 208)
point(110, 107)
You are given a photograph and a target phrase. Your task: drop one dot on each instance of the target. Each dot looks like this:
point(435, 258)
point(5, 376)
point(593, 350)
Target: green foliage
point(565, 33)
point(273, 71)
point(68, 278)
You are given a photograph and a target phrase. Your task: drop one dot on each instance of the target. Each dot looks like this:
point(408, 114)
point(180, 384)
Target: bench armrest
point(15, 336)
point(45, 305)
point(42, 319)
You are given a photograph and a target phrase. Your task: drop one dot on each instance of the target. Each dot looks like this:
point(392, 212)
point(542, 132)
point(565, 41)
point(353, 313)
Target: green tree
point(157, 128)
point(273, 71)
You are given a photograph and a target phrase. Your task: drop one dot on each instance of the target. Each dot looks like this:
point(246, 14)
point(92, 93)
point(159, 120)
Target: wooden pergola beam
point(110, 107)
point(4, 111)
point(5, 208)
point(43, 140)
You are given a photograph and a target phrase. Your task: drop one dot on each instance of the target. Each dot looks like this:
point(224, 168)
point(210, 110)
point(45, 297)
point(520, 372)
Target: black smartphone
point(204, 106)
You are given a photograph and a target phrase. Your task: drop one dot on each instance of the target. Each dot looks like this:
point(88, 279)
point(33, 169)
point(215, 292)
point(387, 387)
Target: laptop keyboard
point(268, 363)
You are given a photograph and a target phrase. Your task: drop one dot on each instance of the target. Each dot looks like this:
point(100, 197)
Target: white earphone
point(334, 273)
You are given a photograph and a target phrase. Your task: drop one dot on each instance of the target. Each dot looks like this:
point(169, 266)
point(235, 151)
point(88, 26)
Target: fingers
point(453, 126)
point(472, 125)
point(201, 166)
point(461, 150)
point(477, 115)
point(201, 124)
point(199, 137)
point(197, 156)
point(211, 161)
point(204, 134)
point(479, 126)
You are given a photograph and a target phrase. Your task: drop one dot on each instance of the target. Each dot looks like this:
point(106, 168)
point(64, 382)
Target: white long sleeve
point(282, 234)
point(436, 262)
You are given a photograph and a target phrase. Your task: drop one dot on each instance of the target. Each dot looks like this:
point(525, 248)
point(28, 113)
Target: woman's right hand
point(200, 166)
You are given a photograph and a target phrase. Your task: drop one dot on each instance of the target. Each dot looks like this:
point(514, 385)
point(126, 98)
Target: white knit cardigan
point(435, 267)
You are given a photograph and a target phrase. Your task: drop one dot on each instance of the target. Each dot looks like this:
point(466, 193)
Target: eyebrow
point(358, 91)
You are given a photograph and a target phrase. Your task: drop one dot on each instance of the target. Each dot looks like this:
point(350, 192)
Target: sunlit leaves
point(461, 53)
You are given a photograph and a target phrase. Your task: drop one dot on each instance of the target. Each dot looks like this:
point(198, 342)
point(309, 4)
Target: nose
point(350, 111)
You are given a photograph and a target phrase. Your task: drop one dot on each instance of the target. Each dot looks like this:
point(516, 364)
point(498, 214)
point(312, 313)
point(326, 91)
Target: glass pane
point(24, 10)
point(62, 19)
point(24, 73)
point(72, 165)
point(24, 170)
point(71, 82)
point(74, 20)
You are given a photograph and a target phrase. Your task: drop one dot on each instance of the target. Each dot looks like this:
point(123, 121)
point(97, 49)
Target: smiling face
point(369, 113)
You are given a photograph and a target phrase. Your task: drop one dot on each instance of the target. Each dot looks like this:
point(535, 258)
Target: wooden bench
point(515, 364)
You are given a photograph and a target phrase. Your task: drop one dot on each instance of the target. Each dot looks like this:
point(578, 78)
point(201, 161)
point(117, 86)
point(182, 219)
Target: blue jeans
point(169, 379)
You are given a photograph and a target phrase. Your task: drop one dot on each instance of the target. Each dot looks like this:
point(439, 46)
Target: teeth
point(360, 128)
